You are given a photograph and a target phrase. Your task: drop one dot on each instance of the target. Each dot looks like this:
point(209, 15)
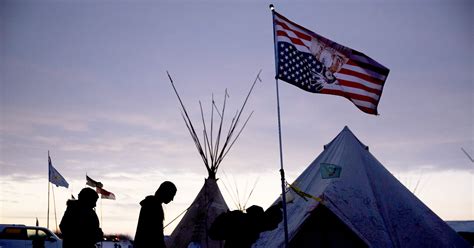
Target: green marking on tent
point(330, 171)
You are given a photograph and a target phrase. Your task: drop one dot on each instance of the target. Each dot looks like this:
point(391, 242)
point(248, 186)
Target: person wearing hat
point(80, 225)
point(150, 221)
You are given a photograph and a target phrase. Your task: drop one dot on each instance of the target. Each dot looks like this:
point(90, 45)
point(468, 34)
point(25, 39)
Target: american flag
point(319, 65)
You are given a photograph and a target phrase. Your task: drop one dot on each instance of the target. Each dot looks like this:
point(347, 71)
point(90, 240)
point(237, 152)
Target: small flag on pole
point(54, 176)
point(319, 65)
point(93, 183)
point(104, 194)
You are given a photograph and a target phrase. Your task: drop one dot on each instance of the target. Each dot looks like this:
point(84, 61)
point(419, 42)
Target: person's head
point(273, 216)
point(88, 197)
point(166, 192)
point(255, 211)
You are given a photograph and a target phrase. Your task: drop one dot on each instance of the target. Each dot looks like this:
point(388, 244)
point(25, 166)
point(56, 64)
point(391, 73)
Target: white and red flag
point(319, 65)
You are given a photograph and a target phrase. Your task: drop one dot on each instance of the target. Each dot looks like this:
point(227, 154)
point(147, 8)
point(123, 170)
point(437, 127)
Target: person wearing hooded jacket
point(150, 221)
point(80, 225)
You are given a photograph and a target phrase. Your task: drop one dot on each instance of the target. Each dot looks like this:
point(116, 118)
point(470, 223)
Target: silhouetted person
point(241, 230)
point(38, 242)
point(80, 225)
point(150, 222)
point(272, 217)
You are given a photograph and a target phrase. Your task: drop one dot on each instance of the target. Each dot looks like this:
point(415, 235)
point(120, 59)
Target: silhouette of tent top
point(213, 147)
point(364, 206)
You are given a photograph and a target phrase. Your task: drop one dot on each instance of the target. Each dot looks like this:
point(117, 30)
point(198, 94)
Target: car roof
point(3, 226)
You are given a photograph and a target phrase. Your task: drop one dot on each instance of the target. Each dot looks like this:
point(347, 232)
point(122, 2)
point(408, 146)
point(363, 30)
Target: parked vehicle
point(21, 236)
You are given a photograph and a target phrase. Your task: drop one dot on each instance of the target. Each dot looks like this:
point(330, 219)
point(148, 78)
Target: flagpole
point(282, 171)
point(101, 221)
point(47, 216)
point(55, 213)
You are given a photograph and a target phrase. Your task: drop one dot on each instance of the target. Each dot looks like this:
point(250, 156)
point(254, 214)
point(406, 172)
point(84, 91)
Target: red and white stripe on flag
point(104, 194)
point(319, 65)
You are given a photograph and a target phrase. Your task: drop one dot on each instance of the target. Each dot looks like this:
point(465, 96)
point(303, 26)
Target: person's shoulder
point(71, 202)
point(149, 201)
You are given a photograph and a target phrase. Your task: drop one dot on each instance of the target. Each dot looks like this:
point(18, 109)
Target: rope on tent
point(303, 194)
point(178, 216)
point(184, 211)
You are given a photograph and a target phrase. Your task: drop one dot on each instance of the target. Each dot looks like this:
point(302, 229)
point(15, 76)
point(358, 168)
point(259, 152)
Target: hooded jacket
point(150, 224)
point(80, 226)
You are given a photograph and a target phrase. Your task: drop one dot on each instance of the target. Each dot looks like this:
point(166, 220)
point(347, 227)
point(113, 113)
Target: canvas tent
point(362, 205)
point(192, 229)
point(465, 228)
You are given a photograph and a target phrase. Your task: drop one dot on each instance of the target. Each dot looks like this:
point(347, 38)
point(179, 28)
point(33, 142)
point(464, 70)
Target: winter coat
point(241, 230)
point(150, 224)
point(80, 226)
point(236, 228)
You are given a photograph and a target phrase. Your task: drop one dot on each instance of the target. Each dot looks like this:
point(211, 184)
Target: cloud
point(27, 121)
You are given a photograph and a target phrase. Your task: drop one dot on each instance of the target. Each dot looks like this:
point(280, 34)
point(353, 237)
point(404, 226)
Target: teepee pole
point(216, 143)
point(282, 171)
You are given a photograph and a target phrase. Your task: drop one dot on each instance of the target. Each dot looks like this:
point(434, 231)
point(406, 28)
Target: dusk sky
point(87, 81)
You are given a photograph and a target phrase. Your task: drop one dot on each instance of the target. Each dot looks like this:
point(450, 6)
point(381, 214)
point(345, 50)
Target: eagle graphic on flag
point(319, 65)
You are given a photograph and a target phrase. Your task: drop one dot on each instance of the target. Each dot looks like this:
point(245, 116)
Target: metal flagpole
point(101, 222)
point(47, 216)
point(101, 211)
point(55, 213)
point(282, 171)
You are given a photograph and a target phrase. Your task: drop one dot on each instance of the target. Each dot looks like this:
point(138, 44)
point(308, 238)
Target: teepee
point(192, 230)
point(346, 198)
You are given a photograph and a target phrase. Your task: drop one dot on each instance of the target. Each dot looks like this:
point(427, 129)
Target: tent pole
point(282, 171)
